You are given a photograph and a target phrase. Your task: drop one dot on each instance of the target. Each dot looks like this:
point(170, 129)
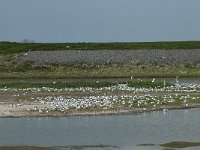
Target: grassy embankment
point(10, 68)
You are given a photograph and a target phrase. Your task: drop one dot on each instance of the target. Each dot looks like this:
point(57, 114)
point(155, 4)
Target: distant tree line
point(27, 41)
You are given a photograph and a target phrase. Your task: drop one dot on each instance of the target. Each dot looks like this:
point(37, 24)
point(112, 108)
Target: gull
point(165, 109)
point(153, 80)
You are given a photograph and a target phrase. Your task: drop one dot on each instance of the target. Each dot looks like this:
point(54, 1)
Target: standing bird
point(164, 83)
point(153, 80)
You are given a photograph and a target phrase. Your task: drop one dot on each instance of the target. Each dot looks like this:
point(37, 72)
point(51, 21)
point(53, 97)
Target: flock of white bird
point(129, 97)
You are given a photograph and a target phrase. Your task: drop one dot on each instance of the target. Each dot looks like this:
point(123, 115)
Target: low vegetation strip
point(70, 147)
point(58, 85)
point(148, 84)
point(26, 71)
point(61, 85)
point(24, 148)
point(13, 47)
point(180, 144)
point(174, 144)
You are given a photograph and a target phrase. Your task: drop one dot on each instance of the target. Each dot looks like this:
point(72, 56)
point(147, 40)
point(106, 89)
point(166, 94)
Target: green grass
point(13, 47)
point(58, 85)
point(61, 85)
point(109, 71)
point(194, 100)
point(148, 84)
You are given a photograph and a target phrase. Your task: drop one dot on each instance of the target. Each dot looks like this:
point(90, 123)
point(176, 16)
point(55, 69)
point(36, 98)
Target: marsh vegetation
point(13, 47)
point(27, 70)
point(174, 144)
point(70, 147)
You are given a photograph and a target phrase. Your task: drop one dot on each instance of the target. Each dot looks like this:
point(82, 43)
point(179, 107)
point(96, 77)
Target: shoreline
point(136, 111)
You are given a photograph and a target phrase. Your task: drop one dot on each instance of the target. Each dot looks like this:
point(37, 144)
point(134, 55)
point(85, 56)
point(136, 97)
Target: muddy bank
point(24, 111)
point(143, 57)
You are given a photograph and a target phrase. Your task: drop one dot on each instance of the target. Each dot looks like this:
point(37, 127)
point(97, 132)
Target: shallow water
point(123, 131)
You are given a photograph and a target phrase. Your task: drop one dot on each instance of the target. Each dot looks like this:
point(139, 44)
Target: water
point(123, 131)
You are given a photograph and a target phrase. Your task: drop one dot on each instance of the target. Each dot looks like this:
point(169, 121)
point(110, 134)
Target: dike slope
point(143, 57)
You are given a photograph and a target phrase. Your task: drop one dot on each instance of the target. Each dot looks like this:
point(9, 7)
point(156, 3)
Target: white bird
point(153, 80)
point(164, 82)
point(165, 109)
